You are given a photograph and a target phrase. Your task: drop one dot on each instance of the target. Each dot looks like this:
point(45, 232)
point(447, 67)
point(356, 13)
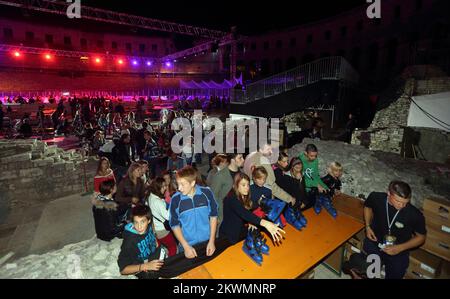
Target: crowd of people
point(79, 115)
point(170, 216)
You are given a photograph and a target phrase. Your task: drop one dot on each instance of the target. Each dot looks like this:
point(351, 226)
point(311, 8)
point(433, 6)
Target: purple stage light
point(135, 62)
point(168, 64)
point(149, 63)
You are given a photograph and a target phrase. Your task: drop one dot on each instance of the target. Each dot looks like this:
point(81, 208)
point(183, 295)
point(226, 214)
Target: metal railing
point(330, 68)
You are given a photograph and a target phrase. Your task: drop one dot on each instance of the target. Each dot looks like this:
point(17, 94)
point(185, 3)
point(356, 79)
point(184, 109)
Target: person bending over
point(237, 212)
point(393, 227)
point(193, 213)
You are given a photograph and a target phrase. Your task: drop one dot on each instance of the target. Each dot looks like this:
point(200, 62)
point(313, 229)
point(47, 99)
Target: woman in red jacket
point(104, 173)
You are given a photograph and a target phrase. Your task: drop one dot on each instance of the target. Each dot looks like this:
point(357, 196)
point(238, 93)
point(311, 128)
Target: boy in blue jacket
point(193, 213)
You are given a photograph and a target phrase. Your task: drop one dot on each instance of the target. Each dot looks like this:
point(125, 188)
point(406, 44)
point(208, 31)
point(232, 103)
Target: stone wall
point(434, 144)
point(32, 172)
point(387, 128)
point(432, 85)
point(386, 132)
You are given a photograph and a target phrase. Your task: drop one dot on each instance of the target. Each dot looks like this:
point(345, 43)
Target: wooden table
point(299, 251)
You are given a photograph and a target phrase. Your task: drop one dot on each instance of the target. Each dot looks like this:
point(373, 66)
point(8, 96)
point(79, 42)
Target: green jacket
point(311, 173)
point(221, 184)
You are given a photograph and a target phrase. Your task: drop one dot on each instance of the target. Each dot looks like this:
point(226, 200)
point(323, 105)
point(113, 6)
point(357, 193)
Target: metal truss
point(65, 53)
point(204, 47)
point(102, 15)
point(189, 52)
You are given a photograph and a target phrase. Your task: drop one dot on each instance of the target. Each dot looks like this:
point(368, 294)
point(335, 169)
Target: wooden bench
point(299, 251)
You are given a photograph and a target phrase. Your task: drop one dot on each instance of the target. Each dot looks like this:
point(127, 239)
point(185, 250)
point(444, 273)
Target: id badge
point(389, 240)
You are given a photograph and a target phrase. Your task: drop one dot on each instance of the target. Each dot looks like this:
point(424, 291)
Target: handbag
point(165, 223)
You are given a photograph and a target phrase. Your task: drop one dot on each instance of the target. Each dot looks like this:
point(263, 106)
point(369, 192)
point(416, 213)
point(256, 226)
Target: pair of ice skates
point(323, 201)
point(276, 210)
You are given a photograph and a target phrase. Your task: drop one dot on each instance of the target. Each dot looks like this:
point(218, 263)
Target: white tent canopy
point(430, 111)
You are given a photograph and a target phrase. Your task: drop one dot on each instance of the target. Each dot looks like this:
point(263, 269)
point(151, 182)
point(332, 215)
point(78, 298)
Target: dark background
point(251, 17)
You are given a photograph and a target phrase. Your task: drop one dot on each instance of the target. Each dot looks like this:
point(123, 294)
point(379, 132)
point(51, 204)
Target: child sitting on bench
point(332, 179)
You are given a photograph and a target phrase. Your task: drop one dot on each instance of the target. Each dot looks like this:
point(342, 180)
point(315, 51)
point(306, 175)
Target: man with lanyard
point(393, 227)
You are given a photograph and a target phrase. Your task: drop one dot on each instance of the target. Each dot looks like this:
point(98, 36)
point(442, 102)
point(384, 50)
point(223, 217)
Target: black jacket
point(140, 140)
point(235, 216)
point(332, 183)
point(121, 155)
point(137, 249)
point(294, 187)
point(105, 218)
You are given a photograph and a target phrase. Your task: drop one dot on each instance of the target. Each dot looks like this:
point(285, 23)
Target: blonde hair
point(132, 168)
point(259, 172)
point(335, 166)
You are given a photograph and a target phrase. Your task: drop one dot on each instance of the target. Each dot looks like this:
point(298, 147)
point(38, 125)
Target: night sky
point(249, 16)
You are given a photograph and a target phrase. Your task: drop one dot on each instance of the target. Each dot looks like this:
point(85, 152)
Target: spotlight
point(120, 61)
point(149, 63)
point(16, 54)
point(135, 62)
point(48, 56)
point(168, 64)
point(97, 60)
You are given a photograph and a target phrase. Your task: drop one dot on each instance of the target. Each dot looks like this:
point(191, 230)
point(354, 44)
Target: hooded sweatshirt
point(136, 249)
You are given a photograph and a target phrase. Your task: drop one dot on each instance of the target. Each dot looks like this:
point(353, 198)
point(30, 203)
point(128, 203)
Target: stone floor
point(45, 227)
point(48, 233)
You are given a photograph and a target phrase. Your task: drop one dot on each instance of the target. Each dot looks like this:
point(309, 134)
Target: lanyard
point(387, 216)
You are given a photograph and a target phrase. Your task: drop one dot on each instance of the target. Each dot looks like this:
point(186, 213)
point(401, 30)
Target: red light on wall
point(98, 60)
point(120, 61)
point(16, 54)
point(48, 56)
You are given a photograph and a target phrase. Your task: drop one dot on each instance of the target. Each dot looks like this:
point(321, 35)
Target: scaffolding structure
point(103, 15)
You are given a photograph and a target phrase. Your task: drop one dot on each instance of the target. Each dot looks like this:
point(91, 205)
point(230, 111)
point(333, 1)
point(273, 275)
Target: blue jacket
point(256, 192)
point(193, 214)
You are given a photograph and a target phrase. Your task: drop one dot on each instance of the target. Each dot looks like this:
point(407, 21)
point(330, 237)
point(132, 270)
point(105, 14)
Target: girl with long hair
point(103, 173)
point(237, 212)
point(158, 206)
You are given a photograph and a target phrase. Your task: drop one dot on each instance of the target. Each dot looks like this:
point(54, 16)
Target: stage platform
point(298, 252)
